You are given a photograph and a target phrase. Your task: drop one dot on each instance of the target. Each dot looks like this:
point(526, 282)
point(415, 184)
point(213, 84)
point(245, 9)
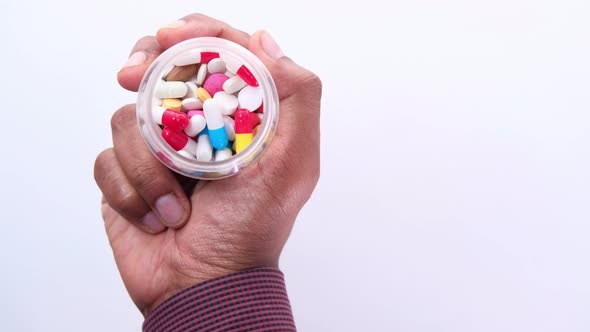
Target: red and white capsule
point(171, 119)
point(179, 141)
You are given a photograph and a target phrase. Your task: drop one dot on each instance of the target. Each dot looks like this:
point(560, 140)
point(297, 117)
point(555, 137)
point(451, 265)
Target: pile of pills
point(207, 110)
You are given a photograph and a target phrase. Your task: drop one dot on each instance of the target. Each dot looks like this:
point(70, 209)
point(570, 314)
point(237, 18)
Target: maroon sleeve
point(254, 300)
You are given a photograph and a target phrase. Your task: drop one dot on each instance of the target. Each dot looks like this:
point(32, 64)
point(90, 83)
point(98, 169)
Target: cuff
point(253, 300)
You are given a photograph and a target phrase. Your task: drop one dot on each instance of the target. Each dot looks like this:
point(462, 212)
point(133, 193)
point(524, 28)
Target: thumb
point(297, 87)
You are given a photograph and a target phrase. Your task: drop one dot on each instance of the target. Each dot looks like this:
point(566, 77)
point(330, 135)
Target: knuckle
point(100, 164)
point(144, 176)
point(311, 83)
point(128, 203)
point(123, 117)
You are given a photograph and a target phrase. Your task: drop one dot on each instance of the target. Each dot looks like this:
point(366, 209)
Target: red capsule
point(255, 119)
point(208, 56)
point(247, 76)
point(177, 140)
point(175, 120)
point(243, 121)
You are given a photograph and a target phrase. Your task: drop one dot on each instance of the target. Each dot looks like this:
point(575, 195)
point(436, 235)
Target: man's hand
point(165, 241)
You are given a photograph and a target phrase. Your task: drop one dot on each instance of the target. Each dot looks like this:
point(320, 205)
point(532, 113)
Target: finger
point(143, 54)
point(199, 25)
point(120, 194)
point(154, 182)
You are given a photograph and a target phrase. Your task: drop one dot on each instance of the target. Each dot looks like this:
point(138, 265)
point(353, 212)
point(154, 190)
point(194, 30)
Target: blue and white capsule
point(215, 125)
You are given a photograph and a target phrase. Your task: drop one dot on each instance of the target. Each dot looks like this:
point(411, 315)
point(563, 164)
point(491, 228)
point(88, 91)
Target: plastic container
point(234, 55)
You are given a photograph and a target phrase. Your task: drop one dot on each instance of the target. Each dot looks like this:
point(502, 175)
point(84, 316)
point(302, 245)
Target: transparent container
point(234, 55)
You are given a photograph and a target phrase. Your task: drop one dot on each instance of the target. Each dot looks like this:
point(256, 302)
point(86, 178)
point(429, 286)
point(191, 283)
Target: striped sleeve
point(253, 300)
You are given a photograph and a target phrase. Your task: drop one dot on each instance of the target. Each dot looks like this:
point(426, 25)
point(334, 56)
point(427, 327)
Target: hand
point(168, 232)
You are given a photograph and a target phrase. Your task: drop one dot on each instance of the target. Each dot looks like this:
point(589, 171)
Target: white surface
point(470, 212)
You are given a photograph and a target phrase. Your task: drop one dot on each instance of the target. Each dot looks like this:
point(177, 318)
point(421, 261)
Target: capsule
point(215, 124)
point(204, 150)
point(243, 129)
point(179, 141)
point(247, 76)
point(171, 119)
point(171, 90)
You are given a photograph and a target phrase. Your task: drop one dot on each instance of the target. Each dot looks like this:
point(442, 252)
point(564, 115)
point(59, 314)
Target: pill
point(255, 119)
point(215, 125)
point(171, 119)
point(229, 74)
point(171, 90)
point(188, 58)
point(182, 73)
point(216, 66)
point(243, 129)
point(250, 98)
point(228, 103)
point(172, 104)
point(201, 75)
point(195, 112)
point(196, 123)
point(234, 84)
point(214, 83)
point(192, 90)
point(204, 150)
point(247, 76)
point(223, 154)
point(203, 95)
point(260, 109)
point(186, 154)
point(228, 123)
point(208, 56)
point(179, 140)
point(192, 104)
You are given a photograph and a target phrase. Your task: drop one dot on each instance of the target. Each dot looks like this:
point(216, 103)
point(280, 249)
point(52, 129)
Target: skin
point(225, 226)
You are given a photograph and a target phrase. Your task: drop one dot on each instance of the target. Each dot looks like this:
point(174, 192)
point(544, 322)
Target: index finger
point(199, 25)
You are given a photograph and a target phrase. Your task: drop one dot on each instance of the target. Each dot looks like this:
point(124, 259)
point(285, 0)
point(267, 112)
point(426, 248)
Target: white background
point(455, 189)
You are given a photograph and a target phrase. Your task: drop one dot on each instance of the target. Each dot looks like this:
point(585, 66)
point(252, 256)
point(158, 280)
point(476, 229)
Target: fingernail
point(136, 59)
point(151, 222)
point(170, 209)
point(270, 46)
point(174, 25)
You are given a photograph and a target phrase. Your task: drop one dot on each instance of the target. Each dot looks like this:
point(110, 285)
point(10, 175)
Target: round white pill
point(227, 102)
point(216, 66)
point(250, 98)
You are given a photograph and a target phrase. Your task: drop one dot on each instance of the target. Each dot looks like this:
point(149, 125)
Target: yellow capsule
point(172, 104)
point(202, 94)
point(242, 141)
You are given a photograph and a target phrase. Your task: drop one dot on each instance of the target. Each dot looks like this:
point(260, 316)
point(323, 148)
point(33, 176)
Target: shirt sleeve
point(253, 300)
